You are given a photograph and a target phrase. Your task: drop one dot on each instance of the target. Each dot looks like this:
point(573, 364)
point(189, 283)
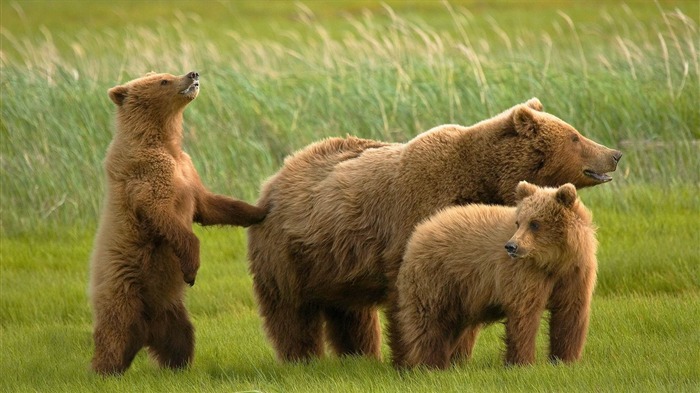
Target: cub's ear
point(525, 121)
point(149, 73)
point(117, 94)
point(535, 104)
point(566, 195)
point(524, 190)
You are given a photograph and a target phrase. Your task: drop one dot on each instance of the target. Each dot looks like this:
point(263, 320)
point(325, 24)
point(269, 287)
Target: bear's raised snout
point(191, 86)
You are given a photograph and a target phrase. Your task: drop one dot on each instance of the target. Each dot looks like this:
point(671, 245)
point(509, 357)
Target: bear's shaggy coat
point(342, 209)
point(145, 250)
point(456, 276)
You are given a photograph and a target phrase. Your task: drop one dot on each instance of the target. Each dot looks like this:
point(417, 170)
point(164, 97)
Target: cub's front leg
point(213, 209)
point(154, 200)
point(569, 307)
point(521, 335)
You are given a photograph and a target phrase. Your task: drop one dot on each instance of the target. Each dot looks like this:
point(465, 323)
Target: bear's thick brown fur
point(456, 276)
point(342, 209)
point(145, 250)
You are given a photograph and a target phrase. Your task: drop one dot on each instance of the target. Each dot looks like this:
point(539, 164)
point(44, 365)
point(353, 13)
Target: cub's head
point(551, 225)
point(565, 156)
point(156, 94)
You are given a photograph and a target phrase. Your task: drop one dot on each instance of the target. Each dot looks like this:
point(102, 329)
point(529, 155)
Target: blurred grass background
point(277, 78)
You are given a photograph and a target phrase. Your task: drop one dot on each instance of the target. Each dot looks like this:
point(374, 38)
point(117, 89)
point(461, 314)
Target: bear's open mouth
point(191, 90)
point(599, 177)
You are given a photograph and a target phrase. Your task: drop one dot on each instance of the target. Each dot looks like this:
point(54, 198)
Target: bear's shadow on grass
point(270, 371)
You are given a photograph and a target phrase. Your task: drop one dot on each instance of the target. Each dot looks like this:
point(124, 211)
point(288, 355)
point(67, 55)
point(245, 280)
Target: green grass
point(646, 238)
point(277, 78)
point(641, 339)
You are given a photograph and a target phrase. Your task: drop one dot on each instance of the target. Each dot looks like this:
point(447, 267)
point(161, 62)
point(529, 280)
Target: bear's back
point(323, 206)
point(461, 235)
point(311, 165)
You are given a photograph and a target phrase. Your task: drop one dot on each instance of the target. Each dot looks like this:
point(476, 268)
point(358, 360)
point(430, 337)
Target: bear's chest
point(185, 188)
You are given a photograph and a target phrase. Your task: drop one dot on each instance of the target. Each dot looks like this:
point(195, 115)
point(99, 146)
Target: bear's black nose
point(511, 247)
point(194, 75)
point(617, 155)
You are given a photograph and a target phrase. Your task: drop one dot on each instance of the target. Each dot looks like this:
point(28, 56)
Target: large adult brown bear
point(145, 250)
point(341, 211)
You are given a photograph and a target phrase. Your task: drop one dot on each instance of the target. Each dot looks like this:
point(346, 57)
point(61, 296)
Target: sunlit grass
point(642, 338)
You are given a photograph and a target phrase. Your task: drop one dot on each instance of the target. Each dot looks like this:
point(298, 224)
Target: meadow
point(277, 76)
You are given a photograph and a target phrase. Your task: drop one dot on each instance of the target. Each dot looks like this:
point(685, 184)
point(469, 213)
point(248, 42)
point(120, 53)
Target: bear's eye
point(575, 138)
point(163, 82)
point(534, 225)
point(517, 224)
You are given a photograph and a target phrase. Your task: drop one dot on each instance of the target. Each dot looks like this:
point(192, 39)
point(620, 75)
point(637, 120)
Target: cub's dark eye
point(575, 138)
point(163, 82)
point(517, 224)
point(534, 225)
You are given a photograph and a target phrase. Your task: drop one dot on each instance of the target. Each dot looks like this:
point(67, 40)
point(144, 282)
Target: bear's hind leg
point(294, 330)
point(171, 338)
point(394, 334)
point(118, 337)
point(465, 345)
point(353, 332)
point(432, 348)
point(427, 340)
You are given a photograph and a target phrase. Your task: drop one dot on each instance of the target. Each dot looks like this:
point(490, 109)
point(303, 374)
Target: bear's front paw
point(190, 261)
point(189, 271)
point(190, 278)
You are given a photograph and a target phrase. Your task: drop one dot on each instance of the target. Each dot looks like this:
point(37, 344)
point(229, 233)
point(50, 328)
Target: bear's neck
point(494, 160)
point(152, 132)
point(581, 238)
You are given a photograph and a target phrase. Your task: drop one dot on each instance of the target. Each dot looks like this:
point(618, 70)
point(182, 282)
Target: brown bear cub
point(145, 250)
point(467, 266)
point(342, 209)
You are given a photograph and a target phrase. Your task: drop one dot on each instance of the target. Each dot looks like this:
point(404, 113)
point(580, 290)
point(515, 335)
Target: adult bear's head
point(565, 156)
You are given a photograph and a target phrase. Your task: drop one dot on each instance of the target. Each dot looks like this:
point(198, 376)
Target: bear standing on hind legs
point(145, 250)
point(467, 266)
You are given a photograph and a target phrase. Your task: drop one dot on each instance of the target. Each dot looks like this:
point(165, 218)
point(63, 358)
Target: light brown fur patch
point(457, 276)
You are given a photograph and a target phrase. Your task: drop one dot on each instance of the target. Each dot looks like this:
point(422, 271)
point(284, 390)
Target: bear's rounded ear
point(566, 195)
point(524, 190)
point(117, 94)
point(525, 121)
point(149, 73)
point(535, 104)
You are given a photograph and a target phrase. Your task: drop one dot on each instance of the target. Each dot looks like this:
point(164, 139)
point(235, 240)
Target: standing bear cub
point(145, 250)
point(341, 211)
point(457, 276)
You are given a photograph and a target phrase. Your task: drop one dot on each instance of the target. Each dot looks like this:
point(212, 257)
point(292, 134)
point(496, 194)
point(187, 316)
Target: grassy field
point(277, 78)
